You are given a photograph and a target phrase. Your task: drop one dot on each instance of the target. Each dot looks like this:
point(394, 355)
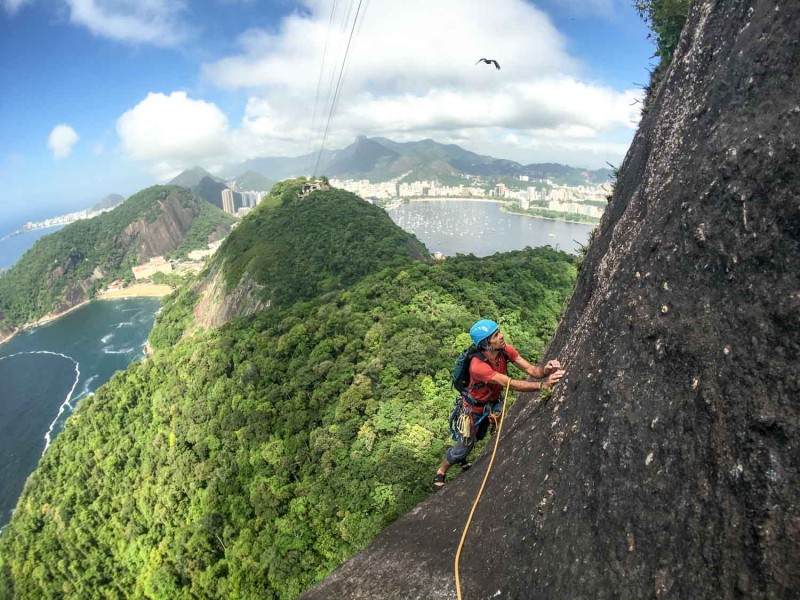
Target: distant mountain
point(203, 184)
point(109, 201)
point(380, 159)
point(191, 178)
point(361, 157)
point(281, 167)
point(425, 153)
point(250, 180)
point(210, 189)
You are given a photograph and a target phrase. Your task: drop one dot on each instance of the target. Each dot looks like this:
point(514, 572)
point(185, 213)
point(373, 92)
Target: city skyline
point(114, 97)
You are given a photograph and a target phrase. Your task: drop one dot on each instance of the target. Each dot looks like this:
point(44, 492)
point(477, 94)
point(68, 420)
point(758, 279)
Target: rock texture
point(163, 234)
point(217, 306)
point(666, 464)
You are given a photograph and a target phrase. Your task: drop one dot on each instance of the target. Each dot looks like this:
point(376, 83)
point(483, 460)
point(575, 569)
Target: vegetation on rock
point(666, 19)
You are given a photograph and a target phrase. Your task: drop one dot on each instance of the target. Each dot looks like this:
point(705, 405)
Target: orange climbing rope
point(480, 491)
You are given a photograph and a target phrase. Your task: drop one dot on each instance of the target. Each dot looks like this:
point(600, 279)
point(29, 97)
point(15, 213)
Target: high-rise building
point(228, 204)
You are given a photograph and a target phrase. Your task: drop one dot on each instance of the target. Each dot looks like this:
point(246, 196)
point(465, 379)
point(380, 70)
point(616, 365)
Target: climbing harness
point(480, 491)
point(462, 420)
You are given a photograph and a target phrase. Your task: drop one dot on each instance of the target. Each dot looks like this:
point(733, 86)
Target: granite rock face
point(163, 234)
point(218, 305)
point(666, 464)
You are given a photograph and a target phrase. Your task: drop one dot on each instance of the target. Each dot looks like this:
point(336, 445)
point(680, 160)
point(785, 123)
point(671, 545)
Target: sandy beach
point(137, 290)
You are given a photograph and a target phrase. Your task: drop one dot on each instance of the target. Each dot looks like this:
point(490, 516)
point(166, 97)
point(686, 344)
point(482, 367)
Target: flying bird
point(490, 61)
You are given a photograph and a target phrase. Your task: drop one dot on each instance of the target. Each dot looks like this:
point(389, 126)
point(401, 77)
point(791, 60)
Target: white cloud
point(174, 131)
point(61, 140)
point(423, 44)
point(410, 74)
point(155, 22)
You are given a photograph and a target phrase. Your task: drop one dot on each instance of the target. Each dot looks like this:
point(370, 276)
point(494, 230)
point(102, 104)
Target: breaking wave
point(66, 403)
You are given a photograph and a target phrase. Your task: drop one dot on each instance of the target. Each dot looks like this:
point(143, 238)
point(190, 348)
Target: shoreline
point(453, 199)
point(503, 208)
point(137, 290)
point(511, 212)
point(43, 321)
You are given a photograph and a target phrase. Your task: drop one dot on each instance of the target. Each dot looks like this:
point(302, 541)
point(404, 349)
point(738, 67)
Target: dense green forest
point(249, 461)
point(66, 260)
point(298, 248)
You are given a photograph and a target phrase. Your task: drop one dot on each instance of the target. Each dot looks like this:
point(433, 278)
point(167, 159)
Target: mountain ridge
point(380, 158)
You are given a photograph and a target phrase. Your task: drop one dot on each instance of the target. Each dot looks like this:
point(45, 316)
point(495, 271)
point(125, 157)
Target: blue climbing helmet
point(482, 330)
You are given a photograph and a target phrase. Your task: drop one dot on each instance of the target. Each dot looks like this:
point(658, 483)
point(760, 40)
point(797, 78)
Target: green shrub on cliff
point(666, 19)
point(249, 461)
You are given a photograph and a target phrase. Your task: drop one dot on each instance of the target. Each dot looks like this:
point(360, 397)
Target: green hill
point(71, 265)
point(298, 248)
point(251, 460)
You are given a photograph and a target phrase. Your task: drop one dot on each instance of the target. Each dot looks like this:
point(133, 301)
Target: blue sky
point(110, 96)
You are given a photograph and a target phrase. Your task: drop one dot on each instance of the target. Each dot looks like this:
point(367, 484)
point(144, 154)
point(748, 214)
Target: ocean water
point(12, 249)
point(45, 372)
point(481, 228)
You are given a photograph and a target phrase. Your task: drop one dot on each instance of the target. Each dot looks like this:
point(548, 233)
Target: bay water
point(12, 248)
point(46, 371)
point(481, 228)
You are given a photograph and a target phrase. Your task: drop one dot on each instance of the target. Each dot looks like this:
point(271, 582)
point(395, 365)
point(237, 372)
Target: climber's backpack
point(461, 422)
point(461, 370)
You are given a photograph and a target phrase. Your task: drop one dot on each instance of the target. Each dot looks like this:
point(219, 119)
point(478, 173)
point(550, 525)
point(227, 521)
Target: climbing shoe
point(464, 465)
point(438, 481)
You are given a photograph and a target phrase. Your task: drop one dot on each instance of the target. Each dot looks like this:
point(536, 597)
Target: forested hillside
point(250, 460)
point(291, 249)
point(71, 265)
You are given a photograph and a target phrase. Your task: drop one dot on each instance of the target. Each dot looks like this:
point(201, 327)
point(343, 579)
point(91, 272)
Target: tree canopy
point(251, 460)
point(298, 248)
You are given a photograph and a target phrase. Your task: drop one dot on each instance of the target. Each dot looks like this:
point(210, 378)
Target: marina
point(481, 228)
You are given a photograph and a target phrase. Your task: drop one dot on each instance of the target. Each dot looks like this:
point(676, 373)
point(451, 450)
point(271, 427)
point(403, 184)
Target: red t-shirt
point(480, 371)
